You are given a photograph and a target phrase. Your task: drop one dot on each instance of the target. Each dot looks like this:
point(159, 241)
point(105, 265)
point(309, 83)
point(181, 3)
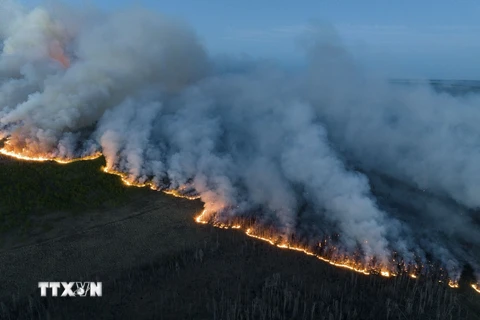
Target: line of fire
point(327, 249)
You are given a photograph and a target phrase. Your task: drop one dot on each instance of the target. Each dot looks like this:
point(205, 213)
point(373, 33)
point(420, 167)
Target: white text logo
point(71, 289)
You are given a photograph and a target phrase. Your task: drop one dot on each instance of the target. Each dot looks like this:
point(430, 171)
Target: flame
point(385, 273)
point(57, 53)
point(453, 284)
point(46, 158)
point(347, 264)
point(205, 218)
point(177, 194)
point(476, 287)
point(199, 219)
point(128, 182)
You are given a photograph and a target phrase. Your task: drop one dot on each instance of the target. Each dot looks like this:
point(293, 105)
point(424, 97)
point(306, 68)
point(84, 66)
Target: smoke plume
point(328, 151)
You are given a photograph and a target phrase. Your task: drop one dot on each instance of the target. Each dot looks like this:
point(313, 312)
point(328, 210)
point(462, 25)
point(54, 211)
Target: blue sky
point(397, 38)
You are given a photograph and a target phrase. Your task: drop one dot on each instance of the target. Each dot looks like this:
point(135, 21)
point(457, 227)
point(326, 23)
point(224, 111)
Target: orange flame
point(347, 264)
point(385, 273)
point(129, 182)
point(46, 158)
point(57, 53)
point(177, 194)
point(204, 218)
point(125, 179)
point(453, 284)
point(476, 287)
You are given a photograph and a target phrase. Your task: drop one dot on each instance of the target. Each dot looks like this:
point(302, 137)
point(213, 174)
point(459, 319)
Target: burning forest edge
point(290, 159)
point(322, 250)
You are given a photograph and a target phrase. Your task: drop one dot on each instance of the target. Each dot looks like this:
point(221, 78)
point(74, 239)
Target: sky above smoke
point(400, 39)
point(329, 150)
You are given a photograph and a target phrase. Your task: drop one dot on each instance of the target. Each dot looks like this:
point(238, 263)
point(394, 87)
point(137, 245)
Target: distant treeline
point(453, 87)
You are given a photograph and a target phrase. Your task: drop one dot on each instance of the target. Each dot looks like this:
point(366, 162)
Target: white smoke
point(113, 59)
point(299, 152)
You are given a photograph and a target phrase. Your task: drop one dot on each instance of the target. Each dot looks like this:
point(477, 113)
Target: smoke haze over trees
point(328, 150)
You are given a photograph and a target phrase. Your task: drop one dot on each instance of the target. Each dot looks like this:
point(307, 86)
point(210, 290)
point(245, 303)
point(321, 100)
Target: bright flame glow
point(476, 288)
point(347, 264)
point(198, 219)
point(204, 217)
point(177, 194)
point(46, 158)
point(127, 181)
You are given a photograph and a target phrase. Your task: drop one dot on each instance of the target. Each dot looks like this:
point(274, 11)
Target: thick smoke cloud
point(112, 59)
point(388, 168)
point(428, 139)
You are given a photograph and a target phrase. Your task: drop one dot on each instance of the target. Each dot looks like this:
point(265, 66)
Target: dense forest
point(35, 188)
